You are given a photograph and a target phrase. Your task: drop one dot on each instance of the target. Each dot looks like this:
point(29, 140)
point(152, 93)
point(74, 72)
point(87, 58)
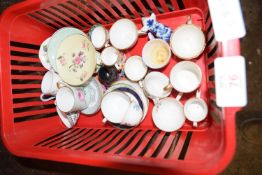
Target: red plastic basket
point(31, 128)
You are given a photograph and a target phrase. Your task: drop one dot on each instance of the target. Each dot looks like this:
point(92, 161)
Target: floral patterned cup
point(71, 99)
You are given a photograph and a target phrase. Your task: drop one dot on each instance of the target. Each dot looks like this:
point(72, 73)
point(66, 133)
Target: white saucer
point(93, 96)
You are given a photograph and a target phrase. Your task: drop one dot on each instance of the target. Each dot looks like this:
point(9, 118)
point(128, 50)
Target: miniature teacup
point(156, 53)
point(124, 34)
point(154, 85)
point(195, 109)
point(135, 69)
point(168, 114)
point(110, 56)
point(99, 36)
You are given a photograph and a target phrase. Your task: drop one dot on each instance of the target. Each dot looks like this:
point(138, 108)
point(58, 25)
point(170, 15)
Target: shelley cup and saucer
point(85, 99)
point(124, 34)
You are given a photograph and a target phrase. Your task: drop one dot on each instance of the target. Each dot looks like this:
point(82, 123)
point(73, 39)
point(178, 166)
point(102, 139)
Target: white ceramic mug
point(196, 109)
point(124, 34)
point(154, 85)
point(71, 99)
point(99, 36)
point(168, 114)
point(185, 76)
point(187, 41)
point(110, 56)
point(135, 69)
point(50, 85)
point(156, 53)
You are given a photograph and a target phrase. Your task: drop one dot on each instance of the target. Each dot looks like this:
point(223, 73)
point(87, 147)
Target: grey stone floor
point(248, 157)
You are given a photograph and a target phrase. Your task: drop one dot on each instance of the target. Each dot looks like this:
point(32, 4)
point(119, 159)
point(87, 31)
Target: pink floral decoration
point(81, 94)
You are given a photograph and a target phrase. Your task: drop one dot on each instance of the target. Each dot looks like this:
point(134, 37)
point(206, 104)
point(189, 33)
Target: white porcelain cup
point(124, 34)
point(71, 99)
point(110, 56)
point(168, 114)
point(135, 69)
point(196, 109)
point(154, 85)
point(156, 53)
point(50, 85)
point(99, 36)
point(185, 76)
point(187, 41)
point(114, 106)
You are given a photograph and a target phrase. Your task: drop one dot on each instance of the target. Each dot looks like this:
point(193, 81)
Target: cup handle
point(195, 124)
point(46, 99)
point(107, 44)
point(189, 20)
point(104, 120)
point(198, 94)
point(155, 101)
point(141, 83)
point(60, 84)
point(168, 87)
point(141, 32)
point(179, 96)
point(150, 36)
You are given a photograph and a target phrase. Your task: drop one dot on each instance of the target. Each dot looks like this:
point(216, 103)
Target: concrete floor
point(248, 157)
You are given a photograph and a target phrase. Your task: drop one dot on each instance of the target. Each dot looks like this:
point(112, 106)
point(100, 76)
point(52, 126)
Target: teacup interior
point(188, 41)
point(123, 34)
point(168, 114)
point(195, 109)
point(135, 69)
point(109, 56)
point(155, 83)
point(99, 37)
point(156, 53)
point(186, 77)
